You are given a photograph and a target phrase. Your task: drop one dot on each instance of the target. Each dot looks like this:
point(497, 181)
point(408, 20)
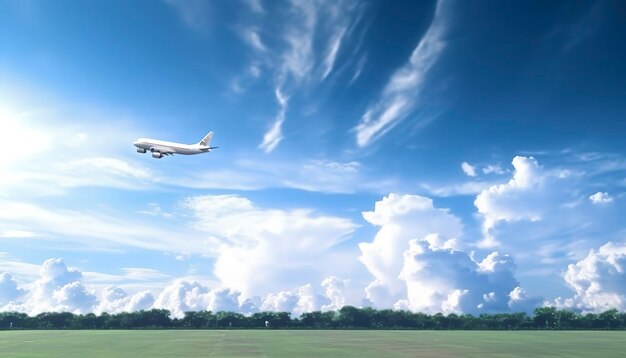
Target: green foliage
point(348, 317)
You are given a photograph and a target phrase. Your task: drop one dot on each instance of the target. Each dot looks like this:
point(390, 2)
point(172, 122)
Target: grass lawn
point(284, 343)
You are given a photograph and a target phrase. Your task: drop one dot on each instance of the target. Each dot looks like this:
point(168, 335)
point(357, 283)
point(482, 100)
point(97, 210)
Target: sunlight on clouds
point(597, 280)
point(17, 234)
point(262, 249)
point(519, 199)
point(52, 150)
point(400, 218)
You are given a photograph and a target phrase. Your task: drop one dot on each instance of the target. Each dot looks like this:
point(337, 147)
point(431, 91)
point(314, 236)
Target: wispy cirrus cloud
point(402, 93)
point(274, 135)
point(255, 6)
point(194, 13)
point(314, 175)
point(92, 230)
point(292, 59)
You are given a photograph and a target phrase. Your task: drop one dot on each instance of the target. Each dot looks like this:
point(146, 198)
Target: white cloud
point(143, 274)
point(255, 6)
point(261, 250)
point(23, 270)
point(402, 92)
point(545, 217)
point(495, 169)
point(401, 218)
point(601, 198)
point(275, 133)
point(95, 230)
point(194, 13)
point(252, 37)
point(522, 198)
point(58, 289)
point(335, 289)
point(116, 300)
point(333, 49)
point(303, 299)
point(110, 166)
point(468, 169)
point(294, 60)
point(598, 280)
point(155, 210)
point(182, 296)
point(68, 154)
point(447, 190)
point(440, 279)
point(15, 234)
point(314, 175)
point(9, 289)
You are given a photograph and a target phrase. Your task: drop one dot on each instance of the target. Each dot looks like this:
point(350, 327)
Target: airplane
point(160, 148)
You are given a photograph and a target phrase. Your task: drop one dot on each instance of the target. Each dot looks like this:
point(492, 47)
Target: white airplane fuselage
point(160, 148)
point(152, 145)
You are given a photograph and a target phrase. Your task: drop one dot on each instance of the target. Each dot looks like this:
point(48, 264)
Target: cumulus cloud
point(440, 279)
point(182, 296)
point(116, 300)
point(58, 289)
point(545, 215)
point(522, 198)
point(9, 290)
point(601, 198)
point(598, 280)
point(417, 262)
point(400, 218)
point(262, 250)
point(303, 299)
point(402, 93)
point(335, 289)
point(468, 169)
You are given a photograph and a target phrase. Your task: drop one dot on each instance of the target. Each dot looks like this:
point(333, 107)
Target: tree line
point(347, 317)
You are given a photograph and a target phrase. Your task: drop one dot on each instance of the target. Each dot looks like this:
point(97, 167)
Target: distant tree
point(350, 316)
point(88, 321)
point(15, 320)
point(230, 320)
point(611, 319)
point(199, 319)
point(545, 317)
point(318, 319)
point(55, 320)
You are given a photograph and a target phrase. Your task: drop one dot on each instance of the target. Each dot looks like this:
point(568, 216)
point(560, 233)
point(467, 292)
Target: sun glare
point(23, 139)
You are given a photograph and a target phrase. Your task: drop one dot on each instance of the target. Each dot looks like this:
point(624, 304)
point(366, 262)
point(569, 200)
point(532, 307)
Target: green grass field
point(279, 343)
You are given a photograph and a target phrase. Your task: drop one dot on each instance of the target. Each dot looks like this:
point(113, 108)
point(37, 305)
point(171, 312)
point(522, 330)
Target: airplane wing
point(162, 150)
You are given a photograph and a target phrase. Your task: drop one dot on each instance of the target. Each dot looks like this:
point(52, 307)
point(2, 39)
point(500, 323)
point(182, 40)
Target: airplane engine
point(157, 155)
point(141, 150)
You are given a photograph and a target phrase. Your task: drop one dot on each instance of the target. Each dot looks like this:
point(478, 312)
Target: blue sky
point(435, 156)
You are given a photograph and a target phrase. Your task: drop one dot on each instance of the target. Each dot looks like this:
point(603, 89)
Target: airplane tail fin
point(206, 141)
